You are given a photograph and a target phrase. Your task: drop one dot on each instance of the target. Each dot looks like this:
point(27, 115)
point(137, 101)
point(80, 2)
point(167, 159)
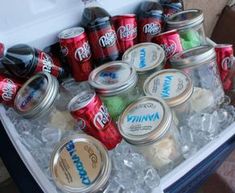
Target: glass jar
point(40, 99)
point(175, 87)
point(200, 64)
point(146, 58)
point(148, 125)
point(115, 82)
point(80, 164)
point(189, 23)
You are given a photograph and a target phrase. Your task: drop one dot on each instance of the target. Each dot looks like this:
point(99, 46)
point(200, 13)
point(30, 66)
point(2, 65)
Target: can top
point(145, 57)
point(145, 121)
point(113, 78)
point(174, 86)
point(224, 46)
point(37, 95)
point(71, 33)
point(185, 19)
point(80, 164)
point(193, 57)
point(81, 100)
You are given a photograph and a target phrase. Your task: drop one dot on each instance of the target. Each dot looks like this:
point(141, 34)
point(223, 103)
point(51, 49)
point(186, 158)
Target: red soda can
point(93, 118)
point(76, 48)
point(126, 30)
point(170, 42)
point(224, 56)
point(8, 90)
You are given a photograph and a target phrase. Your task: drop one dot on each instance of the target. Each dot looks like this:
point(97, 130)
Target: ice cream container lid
point(145, 120)
point(193, 57)
point(145, 56)
point(174, 86)
point(80, 164)
point(185, 19)
point(71, 33)
point(113, 78)
point(37, 95)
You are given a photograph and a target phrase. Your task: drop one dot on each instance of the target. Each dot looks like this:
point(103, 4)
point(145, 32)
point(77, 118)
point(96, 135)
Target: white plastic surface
point(38, 22)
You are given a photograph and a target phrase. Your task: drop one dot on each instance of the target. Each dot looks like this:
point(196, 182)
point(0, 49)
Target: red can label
point(93, 118)
point(170, 42)
point(45, 64)
point(104, 43)
point(127, 32)
point(108, 39)
point(77, 51)
point(9, 89)
point(83, 53)
point(149, 28)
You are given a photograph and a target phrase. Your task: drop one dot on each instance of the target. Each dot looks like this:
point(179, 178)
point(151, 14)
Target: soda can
point(8, 90)
point(2, 49)
point(76, 48)
point(224, 56)
point(93, 118)
point(126, 30)
point(170, 42)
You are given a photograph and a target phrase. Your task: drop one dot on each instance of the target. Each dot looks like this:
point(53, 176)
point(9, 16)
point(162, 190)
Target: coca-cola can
point(76, 48)
point(8, 89)
point(126, 30)
point(170, 42)
point(93, 118)
point(224, 56)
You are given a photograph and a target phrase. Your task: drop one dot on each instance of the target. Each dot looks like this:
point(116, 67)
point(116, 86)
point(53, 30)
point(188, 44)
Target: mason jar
point(148, 125)
point(200, 64)
point(146, 58)
point(80, 164)
point(115, 83)
point(189, 23)
point(175, 88)
point(40, 99)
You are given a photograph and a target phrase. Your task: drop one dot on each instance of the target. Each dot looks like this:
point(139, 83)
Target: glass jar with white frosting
point(200, 64)
point(175, 87)
point(40, 99)
point(80, 164)
point(148, 125)
point(146, 58)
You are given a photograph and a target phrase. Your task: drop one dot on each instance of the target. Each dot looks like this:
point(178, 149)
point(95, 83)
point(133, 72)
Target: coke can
point(224, 56)
point(93, 118)
point(8, 89)
point(76, 48)
point(126, 30)
point(170, 42)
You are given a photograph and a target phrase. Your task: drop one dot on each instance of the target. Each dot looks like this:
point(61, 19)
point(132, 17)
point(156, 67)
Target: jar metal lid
point(145, 121)
point(37, 95)
point(193, 57)
point(174, 86)
point(185, 19)
point(145, 56)
point(71, 33)
point(80, 164)
point(113, 78)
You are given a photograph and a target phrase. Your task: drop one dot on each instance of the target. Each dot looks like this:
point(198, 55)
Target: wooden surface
point(211, 9)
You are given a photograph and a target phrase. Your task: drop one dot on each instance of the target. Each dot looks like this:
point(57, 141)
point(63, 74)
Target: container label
point(102, 118)
point(168, 85)
point(170, 48)
point(144, 57)
point(108, 39)
point(152, 28)
point(127, 32)
point(9, 89)
point(78, 164)
point(83, 53)
point(143, 118)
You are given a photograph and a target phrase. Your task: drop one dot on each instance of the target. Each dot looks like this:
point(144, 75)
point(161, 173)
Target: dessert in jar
point(175, 87)
point(148, 125)
point(80, 164)
point(200, 64)
point(115, 82)
point(146, 58)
